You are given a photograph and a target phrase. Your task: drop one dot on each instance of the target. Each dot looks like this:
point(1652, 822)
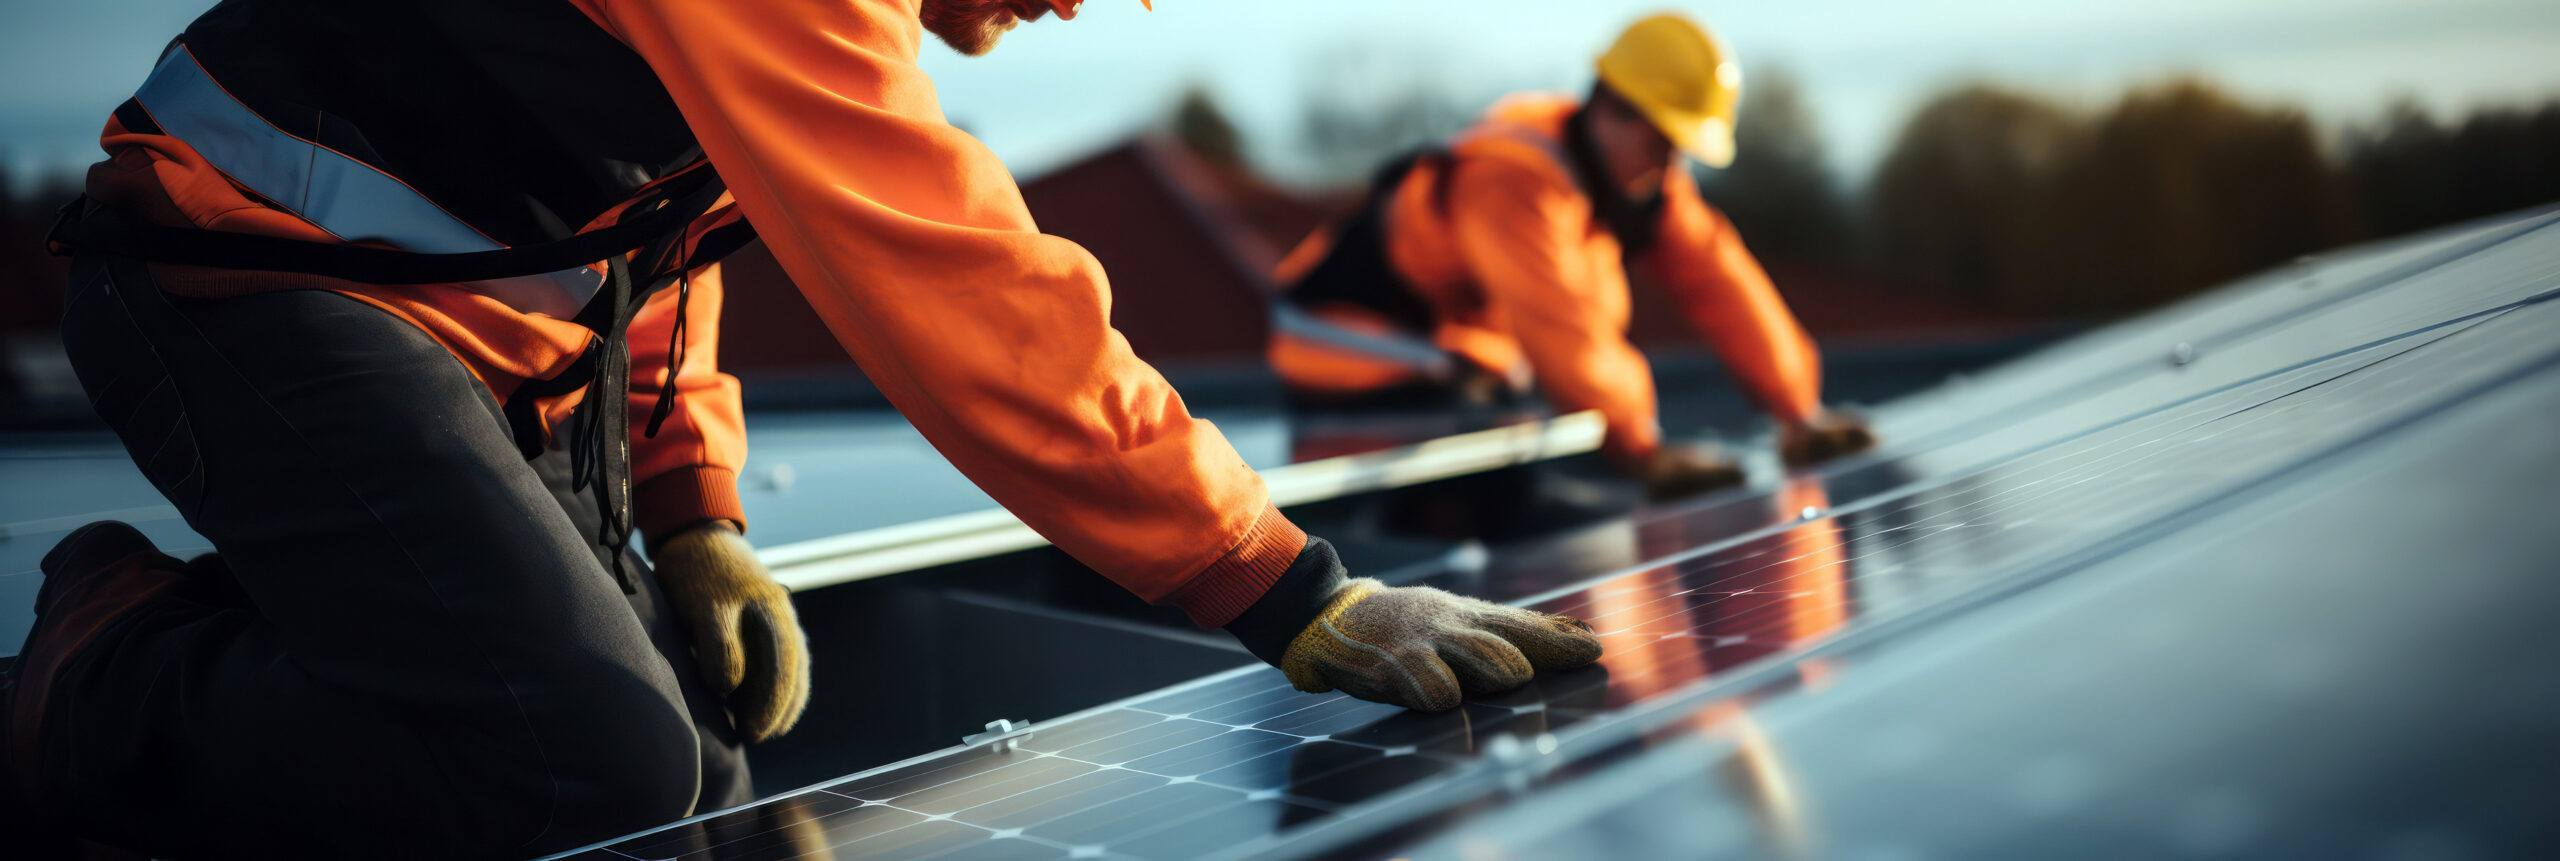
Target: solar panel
point(2045, 469)
point(2344, 662)
point(2020, 475)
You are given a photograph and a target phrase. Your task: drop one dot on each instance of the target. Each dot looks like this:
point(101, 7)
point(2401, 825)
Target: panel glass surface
point(2061, 463)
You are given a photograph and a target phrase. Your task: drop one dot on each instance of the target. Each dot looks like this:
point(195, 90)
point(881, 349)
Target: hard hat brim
point(1708, 139)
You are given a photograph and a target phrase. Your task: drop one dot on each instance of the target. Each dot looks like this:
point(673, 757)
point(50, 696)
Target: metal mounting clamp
point(1000, 733)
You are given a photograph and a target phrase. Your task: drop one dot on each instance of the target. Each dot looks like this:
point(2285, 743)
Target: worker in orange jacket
point(1505, 256)
point(410, 307)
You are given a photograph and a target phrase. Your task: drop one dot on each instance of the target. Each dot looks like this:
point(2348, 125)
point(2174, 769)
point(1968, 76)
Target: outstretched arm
point(911, 241)
point(995, 341)
point(1724, 292)
point(1716, 282)
point(1518, 232)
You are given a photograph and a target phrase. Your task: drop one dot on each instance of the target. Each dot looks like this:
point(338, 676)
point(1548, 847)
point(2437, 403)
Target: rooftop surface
point(2263, 572)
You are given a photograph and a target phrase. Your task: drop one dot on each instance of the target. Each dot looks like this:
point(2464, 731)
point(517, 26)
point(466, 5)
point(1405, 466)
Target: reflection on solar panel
point(2035, 472)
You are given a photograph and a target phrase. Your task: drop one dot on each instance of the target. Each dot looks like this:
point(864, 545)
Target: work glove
point(1674, 471)
point(746, 639)
point(1828, 434)
point(1425, 649)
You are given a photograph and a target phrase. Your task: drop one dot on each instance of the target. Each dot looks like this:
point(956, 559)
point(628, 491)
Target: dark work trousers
point(429, 658)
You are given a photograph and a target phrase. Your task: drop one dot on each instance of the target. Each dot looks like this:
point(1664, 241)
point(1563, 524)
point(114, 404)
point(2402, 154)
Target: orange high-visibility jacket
point(909, 238)
point(1516, 267)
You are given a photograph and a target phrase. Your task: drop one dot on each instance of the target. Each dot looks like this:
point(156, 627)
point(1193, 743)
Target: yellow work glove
point(746, 638)
point(1827, 435)
point(1675, 471)
point(1423, 648)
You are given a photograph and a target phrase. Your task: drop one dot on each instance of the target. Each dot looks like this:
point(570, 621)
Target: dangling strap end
point(622, 573)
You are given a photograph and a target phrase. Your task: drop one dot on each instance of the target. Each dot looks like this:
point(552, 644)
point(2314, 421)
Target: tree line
point(2005, 198)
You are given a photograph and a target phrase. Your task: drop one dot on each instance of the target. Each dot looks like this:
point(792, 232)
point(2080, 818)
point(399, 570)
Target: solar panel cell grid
point(735, 833)
point(1273, 771)
point(1341, 714)
point(1128, 746)
point(1203, 695)
point(886, 785)
point(1218, 831)
point(1046, 802)
point(1213, 753)
point(1123, 818)
point(1369, 780)
point(1029, 774)
point(1237, 759)
point(933, 838)
point(1050, 739)
point(844, 827)
point(997, 849)
point(1274, 700)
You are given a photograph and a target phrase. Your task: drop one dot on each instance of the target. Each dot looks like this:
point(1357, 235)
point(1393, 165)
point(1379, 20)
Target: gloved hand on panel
point(1426, 649)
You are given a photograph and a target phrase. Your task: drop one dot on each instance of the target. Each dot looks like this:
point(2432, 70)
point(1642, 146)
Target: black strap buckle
point(71, 212)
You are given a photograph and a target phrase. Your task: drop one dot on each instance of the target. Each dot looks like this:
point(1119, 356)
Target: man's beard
point(970, 27)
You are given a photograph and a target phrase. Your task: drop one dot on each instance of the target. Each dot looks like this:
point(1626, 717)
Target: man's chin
point(974, 43)
point(973, 29)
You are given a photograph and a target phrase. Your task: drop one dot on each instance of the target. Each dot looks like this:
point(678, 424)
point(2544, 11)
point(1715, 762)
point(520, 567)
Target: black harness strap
point(716, 243)
point(1356, 271)
point(654, 231)
point(602, 454)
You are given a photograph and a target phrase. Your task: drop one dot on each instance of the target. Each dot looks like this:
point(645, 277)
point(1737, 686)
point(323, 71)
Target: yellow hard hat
point(1680, 77)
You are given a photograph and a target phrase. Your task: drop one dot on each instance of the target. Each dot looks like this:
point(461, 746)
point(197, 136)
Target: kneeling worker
point(409, 307)
point(1510, 249)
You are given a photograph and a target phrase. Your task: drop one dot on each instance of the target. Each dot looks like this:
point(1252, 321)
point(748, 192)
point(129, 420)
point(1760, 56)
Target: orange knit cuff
point(1229, 586)
point(684, 497)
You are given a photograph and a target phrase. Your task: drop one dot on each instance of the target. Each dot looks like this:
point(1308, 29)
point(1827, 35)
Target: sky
point(1056, 90)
